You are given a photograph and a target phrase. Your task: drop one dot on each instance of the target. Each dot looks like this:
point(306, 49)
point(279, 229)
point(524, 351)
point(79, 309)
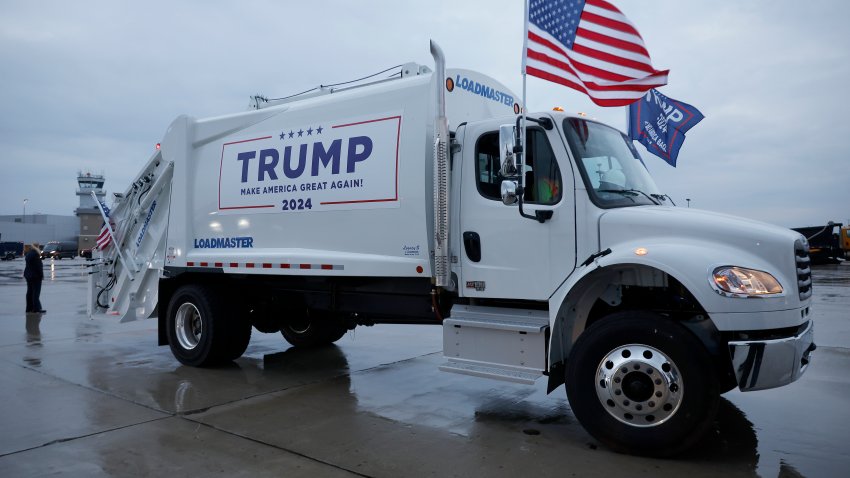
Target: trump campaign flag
point(590, 46)
point(660, 122)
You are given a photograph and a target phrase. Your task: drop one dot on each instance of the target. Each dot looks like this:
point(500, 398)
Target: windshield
point(51, 247)
point(610, 166)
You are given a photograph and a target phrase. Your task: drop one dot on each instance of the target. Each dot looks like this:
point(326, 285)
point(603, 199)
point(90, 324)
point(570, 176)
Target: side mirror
point(507, 158)
point(509, 192)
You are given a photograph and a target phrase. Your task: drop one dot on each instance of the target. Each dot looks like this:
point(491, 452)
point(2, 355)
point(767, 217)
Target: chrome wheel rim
point(639, 385)
point(189, 326)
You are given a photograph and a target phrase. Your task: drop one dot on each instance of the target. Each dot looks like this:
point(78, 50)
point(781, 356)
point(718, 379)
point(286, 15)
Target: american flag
point(590, 46)
point(104, 239)
point(104, 207)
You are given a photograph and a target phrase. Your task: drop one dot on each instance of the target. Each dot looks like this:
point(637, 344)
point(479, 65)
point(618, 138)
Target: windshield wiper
point(630, 193)
point(661, 197)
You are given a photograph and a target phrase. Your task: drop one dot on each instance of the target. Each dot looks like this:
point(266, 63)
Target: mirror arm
point(544, 122)
point(540, 216)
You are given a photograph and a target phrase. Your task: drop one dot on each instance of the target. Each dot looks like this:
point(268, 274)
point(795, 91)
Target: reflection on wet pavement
point(33, 328)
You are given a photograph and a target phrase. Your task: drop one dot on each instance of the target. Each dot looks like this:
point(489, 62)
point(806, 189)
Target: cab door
point(504, 255)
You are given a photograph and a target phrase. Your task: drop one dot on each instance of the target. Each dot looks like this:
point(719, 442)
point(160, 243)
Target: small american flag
point(104, 239)
point(590, 46)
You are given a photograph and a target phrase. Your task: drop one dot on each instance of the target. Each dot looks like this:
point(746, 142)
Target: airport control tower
point(90, 219)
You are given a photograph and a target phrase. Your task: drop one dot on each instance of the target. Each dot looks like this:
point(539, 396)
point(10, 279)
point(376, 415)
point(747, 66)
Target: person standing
point(34, 274)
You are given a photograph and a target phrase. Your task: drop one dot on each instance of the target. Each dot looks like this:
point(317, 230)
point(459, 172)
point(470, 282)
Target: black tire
point(335, 332)
point(641, 384)
point(200, 333)
point(240, 336)
point(310, 329)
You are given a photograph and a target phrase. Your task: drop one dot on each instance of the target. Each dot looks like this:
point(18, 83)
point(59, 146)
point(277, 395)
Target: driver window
point(542, 176)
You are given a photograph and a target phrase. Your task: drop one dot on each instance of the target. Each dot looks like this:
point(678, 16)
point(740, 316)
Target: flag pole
point(524, 76)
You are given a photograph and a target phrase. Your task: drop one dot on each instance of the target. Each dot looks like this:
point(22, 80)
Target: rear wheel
point(309, 328)
point(642, 384)
point(200, 331)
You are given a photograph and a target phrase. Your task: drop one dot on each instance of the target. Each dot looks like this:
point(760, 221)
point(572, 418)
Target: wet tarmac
point(93, 397)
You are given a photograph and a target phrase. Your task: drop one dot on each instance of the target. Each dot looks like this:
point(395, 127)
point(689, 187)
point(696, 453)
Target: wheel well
point(626, 287)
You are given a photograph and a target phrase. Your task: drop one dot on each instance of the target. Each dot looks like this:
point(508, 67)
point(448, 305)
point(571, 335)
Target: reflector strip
point(266, 265)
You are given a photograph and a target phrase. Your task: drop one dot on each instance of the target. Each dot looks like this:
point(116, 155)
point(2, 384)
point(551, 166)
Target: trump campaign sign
point(326, 165)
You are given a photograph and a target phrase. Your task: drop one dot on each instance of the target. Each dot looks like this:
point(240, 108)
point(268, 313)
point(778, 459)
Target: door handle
point(472, 245)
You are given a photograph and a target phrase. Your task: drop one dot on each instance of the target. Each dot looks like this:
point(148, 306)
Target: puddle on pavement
point(831, 275)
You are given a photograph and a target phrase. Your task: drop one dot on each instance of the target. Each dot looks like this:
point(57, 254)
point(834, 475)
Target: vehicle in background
point(844, 240)
point(59, 250)
point(825, 246)
point(11, 249)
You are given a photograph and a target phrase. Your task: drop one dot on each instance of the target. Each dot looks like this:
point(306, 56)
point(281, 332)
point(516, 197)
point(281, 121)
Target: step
point(519, 320)
point(492, 341)
point(506, 374)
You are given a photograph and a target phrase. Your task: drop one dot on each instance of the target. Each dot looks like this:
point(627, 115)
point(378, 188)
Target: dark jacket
point(34, 268)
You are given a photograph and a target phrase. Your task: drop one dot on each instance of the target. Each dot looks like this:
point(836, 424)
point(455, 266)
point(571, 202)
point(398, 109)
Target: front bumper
point(761, 364)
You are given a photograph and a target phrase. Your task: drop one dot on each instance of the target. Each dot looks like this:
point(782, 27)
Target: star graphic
point(300, 133)
point(309, 131)
point(291, 134)
point(319, 130)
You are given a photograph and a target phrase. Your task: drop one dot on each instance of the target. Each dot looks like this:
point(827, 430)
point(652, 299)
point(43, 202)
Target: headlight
point(746, 282)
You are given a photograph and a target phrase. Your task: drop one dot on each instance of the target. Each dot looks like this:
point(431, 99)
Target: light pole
point(24, 218)
point(689, 201)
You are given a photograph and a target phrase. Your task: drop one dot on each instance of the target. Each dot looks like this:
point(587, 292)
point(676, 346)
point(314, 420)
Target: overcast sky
point(92, 86)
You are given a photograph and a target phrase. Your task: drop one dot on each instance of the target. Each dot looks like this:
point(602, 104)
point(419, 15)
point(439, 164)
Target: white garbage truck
point(542, 247)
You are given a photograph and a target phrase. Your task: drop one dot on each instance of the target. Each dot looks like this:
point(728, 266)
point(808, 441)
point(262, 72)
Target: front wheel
point(642, 384)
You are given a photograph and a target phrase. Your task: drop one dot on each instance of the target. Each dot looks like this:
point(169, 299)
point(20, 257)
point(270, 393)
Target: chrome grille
point(804, 271)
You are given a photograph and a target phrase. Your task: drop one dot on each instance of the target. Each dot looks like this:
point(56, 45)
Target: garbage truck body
point(543, 251)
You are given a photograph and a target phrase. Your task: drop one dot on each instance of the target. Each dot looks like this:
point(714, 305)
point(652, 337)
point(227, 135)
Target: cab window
point(542, 176)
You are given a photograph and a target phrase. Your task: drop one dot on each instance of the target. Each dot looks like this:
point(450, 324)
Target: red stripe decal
point(234, 264)
point(190, 264)
point(284, 266)
point(304, 266)
point(219, 264)
point(249, 265)
point(203, 264)
point(266, 265)
point(327, 267)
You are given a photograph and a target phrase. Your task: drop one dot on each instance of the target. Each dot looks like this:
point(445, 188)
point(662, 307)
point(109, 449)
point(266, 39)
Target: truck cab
point(599, 252)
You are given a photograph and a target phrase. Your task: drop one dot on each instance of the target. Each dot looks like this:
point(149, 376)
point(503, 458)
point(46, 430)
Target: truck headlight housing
point(738, 282)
